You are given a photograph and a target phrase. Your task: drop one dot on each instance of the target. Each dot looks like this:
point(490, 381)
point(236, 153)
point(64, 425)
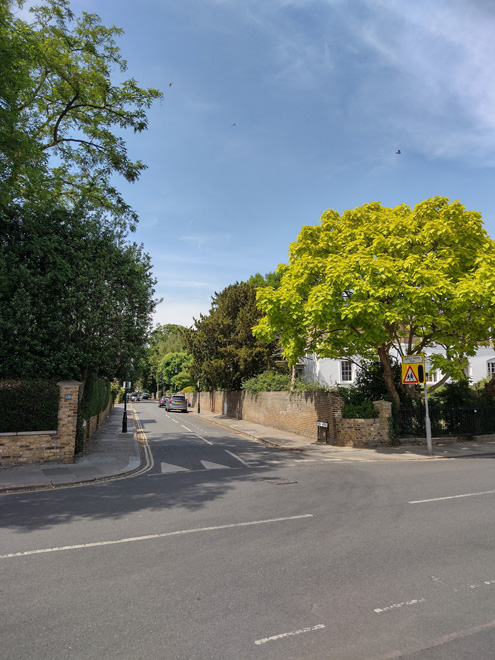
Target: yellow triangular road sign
point(410, 378)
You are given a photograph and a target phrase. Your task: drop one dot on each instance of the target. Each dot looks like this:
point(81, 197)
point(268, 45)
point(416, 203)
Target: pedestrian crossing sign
point(413, 369)
point(410, 378)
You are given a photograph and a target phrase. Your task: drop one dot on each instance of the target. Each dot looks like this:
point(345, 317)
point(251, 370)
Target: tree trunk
point(388, 373)
point(293, 378)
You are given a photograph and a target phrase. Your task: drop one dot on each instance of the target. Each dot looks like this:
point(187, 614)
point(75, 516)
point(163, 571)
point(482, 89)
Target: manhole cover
point(277, 482)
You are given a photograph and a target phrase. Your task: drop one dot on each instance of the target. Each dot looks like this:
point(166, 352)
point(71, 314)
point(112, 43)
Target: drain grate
point(277, 482)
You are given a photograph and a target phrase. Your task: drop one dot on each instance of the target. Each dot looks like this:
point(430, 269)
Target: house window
point(491, 368)
point(346, 371)
point(432, 377)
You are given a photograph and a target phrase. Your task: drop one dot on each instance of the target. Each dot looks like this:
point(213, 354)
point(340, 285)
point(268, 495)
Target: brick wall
point(298, 413)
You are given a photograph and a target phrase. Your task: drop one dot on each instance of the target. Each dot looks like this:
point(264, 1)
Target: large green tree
point(224, 350)
point(377, 281)
point(58, 97)
point(174, 371)
point(75, 298)
point(164, 339)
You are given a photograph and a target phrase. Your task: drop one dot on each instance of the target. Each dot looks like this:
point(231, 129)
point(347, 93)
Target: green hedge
point(28, 405)
point(95, 399)
point(271, 381)
point(363, 410)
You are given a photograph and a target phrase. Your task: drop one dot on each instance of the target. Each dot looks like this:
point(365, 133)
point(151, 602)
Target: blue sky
point(281, 109)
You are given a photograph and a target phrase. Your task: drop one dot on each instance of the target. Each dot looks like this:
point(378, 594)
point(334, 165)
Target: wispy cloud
point(440, 85)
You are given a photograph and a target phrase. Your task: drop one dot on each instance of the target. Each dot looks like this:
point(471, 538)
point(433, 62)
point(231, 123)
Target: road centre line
point(292, 633)
point(149, 537)
point(452, 497)
point(185, 427)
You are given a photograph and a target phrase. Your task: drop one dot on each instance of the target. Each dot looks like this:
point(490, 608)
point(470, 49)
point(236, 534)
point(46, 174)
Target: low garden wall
point(55, 445)
point(52, 446)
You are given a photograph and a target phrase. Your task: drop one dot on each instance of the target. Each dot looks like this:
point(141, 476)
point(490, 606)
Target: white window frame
point(432, 376)
point(490, 368)
point(346, 365)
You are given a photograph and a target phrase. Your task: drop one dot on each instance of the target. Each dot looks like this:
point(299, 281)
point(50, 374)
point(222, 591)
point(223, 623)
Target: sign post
point(413, 373)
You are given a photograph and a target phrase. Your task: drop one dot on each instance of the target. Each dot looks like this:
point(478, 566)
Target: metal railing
point(410, 422)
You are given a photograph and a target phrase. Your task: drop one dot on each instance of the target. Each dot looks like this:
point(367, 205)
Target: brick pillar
point(385, 410)
point(68, 403)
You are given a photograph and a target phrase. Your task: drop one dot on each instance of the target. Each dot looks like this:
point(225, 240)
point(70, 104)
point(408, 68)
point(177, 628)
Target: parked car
point(162, 401)
point(146, 396)
point(176, 402)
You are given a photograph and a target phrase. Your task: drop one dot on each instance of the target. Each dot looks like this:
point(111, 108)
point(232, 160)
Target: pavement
point(110, 454)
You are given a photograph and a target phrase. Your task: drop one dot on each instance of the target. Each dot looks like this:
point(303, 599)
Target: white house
point(342, 373)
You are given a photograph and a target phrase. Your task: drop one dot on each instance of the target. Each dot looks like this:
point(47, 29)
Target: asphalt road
point(229, 550)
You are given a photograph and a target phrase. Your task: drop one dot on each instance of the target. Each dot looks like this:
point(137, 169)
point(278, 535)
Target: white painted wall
point(328, 371)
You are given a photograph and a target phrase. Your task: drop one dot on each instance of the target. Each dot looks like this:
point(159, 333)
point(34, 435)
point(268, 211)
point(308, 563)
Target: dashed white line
point(153, 536)
point(453, 497)
point(292, 633)
point(395, 606)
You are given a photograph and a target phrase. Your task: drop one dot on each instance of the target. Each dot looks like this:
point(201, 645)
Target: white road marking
point(452, 497)
point(201, 437)
point(169, 467)
point(214, 466)
point(238, 458)
point(292, 633)
point(185, 427)
point(154, 536)
point(396, 606)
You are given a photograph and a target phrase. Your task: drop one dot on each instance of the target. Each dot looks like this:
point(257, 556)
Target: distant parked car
point(162, 400)
point(176, 402)
point(146, 396)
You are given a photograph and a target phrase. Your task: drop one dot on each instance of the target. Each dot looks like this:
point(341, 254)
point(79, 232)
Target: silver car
point(176, 402)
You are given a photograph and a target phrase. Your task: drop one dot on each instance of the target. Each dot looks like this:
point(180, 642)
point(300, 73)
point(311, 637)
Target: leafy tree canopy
point(174, 371)
point(163, 340)
point(270, 279)
point(75, 298)
point(224, 350)
point(58, 97)
point(375, 280)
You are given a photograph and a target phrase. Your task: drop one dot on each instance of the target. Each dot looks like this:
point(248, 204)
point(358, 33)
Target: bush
point(271, 381)
point(28, 405)
point(95, 399)
point(363, 410)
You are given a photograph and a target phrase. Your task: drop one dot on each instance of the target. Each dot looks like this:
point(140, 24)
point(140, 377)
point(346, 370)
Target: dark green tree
point(224, 350)
point(75, 298)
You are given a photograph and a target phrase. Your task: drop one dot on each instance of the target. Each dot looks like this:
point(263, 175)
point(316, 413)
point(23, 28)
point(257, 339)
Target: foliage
point(461, 394)
point(455, 395)
point(370, 380)
point(173, 372)
point(29, 405)
point(224, 350)
point(270, 279)
point(74, 297)
point(96, 397)
point(362, 410)
point(164, 339)
point(271, 381)
point(375, 279)
point(59, 98)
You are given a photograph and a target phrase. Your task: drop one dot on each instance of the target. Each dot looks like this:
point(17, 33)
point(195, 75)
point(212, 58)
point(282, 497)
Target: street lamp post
point(199, 399)
point(124, 418)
